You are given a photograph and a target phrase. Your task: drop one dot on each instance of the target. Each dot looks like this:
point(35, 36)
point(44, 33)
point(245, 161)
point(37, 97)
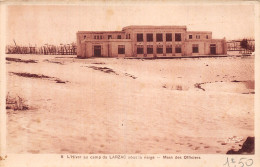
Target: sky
point(56, 24)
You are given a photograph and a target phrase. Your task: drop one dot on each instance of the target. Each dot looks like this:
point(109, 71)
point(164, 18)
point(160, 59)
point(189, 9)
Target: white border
point(50, 160)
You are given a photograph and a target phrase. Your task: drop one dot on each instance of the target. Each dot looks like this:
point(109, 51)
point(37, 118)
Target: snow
point(160, 111)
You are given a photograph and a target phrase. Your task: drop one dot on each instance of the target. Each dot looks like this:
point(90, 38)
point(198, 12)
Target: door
point(213, 49)
point(97, 51)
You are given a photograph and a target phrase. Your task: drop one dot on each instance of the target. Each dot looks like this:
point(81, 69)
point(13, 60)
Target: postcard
point(127, 83)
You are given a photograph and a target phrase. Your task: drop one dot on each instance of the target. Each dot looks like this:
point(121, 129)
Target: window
point(159, 50)
point(178, 37)
point(121, 49)
point(190, 36)
point(85, 36)
point(140, 38)
point(109, 36)
point(159, 38)
point(149, 37)
point(149, 49)
point(207, 37)
point(119, 37)
point(197, 36)
point(178, 49)
point(127, 36)
point(169, 49)
point(140, 50)
point(195, 48)
point(168, 37)
point(97, 37)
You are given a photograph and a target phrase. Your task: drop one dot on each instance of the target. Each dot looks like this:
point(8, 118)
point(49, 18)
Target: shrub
point(15, 103)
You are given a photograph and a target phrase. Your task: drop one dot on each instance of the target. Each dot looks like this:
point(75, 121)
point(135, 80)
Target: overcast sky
point(59, 24)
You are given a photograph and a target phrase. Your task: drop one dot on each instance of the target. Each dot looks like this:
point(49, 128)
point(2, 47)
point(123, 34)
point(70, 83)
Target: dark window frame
point(140, 50)
point(159, 50)
point(119, 37)
point(168, 49)
point(178, 49)
point(150, 38)
point(168, 36)
point(121, 49)
point(178, 37)
point(190, 36)
point(195, 48)
point(149, 50)
point(139, 37)
point(159, 37)
point(109, 37)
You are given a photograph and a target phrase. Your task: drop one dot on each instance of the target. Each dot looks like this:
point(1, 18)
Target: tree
point(244, 44)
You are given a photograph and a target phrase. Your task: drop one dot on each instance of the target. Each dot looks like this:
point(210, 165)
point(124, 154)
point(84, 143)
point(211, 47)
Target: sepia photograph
point(128, 78)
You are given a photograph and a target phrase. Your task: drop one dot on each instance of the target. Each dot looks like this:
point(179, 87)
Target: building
point(148, 41)
point(235, 45)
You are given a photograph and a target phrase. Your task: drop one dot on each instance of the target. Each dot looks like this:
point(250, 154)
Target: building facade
point(149, 41)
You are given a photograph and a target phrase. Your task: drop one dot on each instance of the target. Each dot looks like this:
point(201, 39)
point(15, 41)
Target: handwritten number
point(249, 164)
point(226, 163)
point(240, 162)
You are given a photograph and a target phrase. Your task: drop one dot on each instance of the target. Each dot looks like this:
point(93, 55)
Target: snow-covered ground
point(201, 105)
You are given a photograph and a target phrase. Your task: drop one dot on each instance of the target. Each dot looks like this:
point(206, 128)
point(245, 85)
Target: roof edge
point(152, 26)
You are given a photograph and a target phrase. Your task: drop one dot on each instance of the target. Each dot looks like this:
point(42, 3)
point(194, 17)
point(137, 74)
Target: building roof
point(98, 32)
point(153, 27)
point(145, 27)
point(200, 32)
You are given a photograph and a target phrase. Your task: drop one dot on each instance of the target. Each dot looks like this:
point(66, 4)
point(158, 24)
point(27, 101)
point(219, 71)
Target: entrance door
point(97, 51)
point(213, 49)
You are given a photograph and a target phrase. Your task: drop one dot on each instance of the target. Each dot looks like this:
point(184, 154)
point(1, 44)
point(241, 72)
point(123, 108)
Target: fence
point(68, 49)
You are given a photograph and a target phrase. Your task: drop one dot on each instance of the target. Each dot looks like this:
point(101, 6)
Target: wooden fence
point(68, 49)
